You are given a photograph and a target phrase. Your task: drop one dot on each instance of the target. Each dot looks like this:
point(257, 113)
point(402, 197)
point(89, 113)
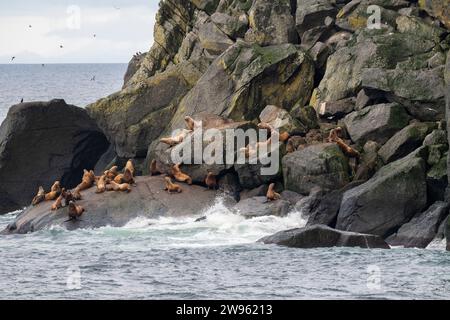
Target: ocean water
point(178, 258)
point(71, 82)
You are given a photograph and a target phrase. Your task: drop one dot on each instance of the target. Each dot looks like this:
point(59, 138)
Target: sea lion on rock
point(154, 171)
point(172, 187)
point(211, 181)
point(75, 211)
point(87, 181)
point(123, 187)
point(179, 175)
point(76, 194)
point(191, 124)
point(271, 194)
point(130, 167)
point(101, 184)
point(294, 143)
point(68, 196)
point(111, 173)
point(126, 177)
point(173, 141)
point(40, 196)
point(54, 193)
point(335, 137)
point(58, 203)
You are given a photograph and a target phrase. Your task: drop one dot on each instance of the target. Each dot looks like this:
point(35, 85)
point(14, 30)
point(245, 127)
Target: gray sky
point(122, 27)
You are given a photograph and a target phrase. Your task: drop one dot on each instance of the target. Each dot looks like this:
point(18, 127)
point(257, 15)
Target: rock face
point(377, 123)
point(41, 142)
point(422, 229)
point(322, 236)
point(258, 207)
point(321, 165)
point(147, 199)
point(388, 200)
point(405, 141)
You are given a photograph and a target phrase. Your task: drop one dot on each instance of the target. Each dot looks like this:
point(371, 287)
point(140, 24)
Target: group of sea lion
point(111, 180)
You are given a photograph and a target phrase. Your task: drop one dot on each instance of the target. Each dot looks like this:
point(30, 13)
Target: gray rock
point(271, 23)
point(447, 234)
point(116, 209)
point(388, 200)
point(213, 39)
point(405, 141)
point(41, 142)
point(319, 236)
point(336, 109)
point(320, 165)
point(230, 25)
point(378, 123)
point(312, 13)
point(292, 197)
point(208, 6)
point(259, 207)
point(436, 137)
point(422, 229)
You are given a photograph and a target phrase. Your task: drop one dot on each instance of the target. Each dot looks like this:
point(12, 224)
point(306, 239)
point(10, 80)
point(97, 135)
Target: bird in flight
point(61, 46)
point(93, 78)
point(95, 35)
point(12, 58)
point(30, 26)
point(21, 101)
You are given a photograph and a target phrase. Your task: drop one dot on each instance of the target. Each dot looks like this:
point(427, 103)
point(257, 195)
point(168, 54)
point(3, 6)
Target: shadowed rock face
point(41, 142)
point(147, 199)
point(320, 236)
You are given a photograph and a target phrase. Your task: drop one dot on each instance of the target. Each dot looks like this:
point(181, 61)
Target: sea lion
point(125, 177)
point(101, 184)
point(172, 187)
point(68, 196)
point(113, 186)
point(130, 167)
point(58, 203)
point(54, 193)
point(284, 136)
point(179, 175)
point(211, 181)
point(76, 194)
point(334, 136)
point(40, 196)
point(191, 124)
point(271, 194)
point(87, 181)
point(75, 211)
point(111, 173)
point(154, 171)
point(173, 141)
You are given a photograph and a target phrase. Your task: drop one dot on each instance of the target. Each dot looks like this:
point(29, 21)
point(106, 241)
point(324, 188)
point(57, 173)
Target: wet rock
point(377, 123)
point(422, 229)
point(259, 207)
point(292, 197)
point(116, 209)
point(319, 236)
point(405, 141)
point(41, 142)
point(370, 208)
point(320, 165)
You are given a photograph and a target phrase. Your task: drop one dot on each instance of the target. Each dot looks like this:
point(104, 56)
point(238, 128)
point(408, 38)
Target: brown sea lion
point(87, 181)
point(111, 173)
point(191, 124)
point(284, 136)
point(173, 141)
point(125, 177)
point(40, 196)
point(271, 194)
point(179, 175)
point(58, 203)
point(154, 171)
point(334, 136)
point(54, 193)
point(68, 196)
point(76, 194)
point(123, 187)
point(75, 211)
point(211, 181)
point(101, 184)
point(172, 187)
point(130, 167)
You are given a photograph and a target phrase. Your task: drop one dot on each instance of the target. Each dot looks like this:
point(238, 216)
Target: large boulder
point(405, 141)
point(259, 207)
point(320, 236)
point(41, 142)
point(377, 123)
point(116, 209)
point(437, 8)
point(422, 229)
point(320, 165)
point(245, 79)
point(388, 200)
point(271, 23)
point(447, 82)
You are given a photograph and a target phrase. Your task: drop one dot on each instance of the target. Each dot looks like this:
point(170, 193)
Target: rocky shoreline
point(314, 65)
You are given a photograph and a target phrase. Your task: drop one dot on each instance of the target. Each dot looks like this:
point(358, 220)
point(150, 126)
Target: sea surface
point(178, 258)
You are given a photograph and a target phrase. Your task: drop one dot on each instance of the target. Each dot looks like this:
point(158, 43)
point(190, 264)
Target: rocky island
point(380, 77)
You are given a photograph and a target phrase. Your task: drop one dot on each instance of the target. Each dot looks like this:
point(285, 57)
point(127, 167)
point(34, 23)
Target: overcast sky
point(33, 31)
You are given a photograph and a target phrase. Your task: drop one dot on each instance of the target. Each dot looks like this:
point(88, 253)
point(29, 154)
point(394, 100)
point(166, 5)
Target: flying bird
point(95, 35)
point(12, 58)
point(30, 26)
point(93, 78)
point(21, 101)
point(61, 46)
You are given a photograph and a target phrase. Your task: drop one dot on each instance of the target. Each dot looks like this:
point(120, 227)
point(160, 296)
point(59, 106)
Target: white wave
point(437, 244)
